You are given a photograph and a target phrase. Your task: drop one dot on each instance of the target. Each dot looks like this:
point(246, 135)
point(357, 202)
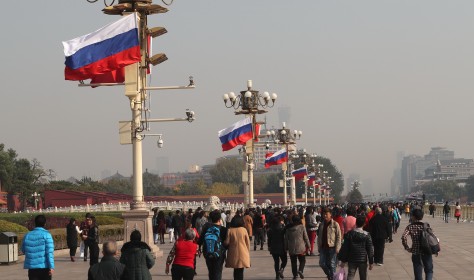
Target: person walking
point(72, 230)
point(91, 240)
point(238, 248)
point(329, 243)
point(214, 265)
point(182, 256)
point(380, 230)
point(258, 231)
point(311, 228)
point(432, 209)
point(109, 267)
point(356, 249)
point(38, 247)
point(276, 245)
point(84, 227)
point(446, 210)
point(169, 228)
point(248, 223)
point(161, 227)
point(177, 223)
point(137, 257)
point(420, 261)
point(297, 244)
point(457, 212)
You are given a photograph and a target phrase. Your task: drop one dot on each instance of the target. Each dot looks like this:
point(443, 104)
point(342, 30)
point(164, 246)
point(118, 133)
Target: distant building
point(162, 165)
point(116, 176)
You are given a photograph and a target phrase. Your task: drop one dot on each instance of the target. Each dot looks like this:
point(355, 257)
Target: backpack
point(213, 248)
point(429, 243)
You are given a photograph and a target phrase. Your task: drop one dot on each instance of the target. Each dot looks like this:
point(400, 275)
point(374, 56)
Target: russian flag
point(237, 134)
point(103, 52)
point(300, 173)
point(276, 158)
point(311, 179)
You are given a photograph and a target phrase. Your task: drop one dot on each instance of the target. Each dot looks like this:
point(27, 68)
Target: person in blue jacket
point(38, 247)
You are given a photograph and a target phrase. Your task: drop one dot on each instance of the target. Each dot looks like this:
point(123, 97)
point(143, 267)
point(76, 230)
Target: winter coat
point(380, 227)
point(38, 247)
point(71, 235)
point(334, 235)
point(357, 247)
point(137, 257)
point(248, 224)
point(296, 240)
point(276, 240)
point(238, 248)
point(109, 268)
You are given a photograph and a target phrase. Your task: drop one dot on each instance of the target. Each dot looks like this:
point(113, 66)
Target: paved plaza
point(456, 260)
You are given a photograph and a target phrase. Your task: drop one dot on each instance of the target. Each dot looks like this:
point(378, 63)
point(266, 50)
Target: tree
point(470, 188)
point(354, 196)
point(223, 188)
point(152, 185)
point(227, 170)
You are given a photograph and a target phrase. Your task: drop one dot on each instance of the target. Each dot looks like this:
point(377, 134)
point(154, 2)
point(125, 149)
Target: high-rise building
point(163, 165)
point(284, 115)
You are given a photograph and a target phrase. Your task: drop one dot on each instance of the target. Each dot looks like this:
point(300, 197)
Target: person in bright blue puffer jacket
point(38, 247)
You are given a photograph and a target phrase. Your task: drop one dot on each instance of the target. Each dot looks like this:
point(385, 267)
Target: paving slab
point(455, 262)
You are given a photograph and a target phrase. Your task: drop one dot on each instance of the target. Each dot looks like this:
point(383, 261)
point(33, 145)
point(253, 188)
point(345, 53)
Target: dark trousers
point(420, 263)
point(179, 272)
point(39, 274)
point(215, 268)
point(86, 249)
point(294, 264)
point(353, 269)
point(94, 253)
point(276, 262)
point(238, 273)
point(379, 248)
point(72, 251)
point(259, 236)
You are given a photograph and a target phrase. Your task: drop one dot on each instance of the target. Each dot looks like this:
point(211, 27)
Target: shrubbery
point(12, 227)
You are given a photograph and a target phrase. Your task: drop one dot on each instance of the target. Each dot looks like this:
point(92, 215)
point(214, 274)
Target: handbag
point(340, 274)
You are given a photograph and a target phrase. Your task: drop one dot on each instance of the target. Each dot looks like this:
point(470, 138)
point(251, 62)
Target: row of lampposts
point(251, 103)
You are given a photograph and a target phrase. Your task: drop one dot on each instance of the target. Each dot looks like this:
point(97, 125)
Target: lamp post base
point(141, 220)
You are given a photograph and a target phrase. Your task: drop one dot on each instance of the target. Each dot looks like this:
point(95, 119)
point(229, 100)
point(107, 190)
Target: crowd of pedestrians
point(351, 235)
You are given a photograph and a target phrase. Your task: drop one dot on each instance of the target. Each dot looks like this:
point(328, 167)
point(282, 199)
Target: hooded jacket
point(357, 247)
point(136, 256)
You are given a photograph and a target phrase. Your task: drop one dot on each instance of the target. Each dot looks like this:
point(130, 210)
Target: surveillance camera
point(190, 115)
point(267, 146)
point(160, 143)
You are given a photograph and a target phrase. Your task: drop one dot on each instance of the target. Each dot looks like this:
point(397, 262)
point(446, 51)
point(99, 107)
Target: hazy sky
point(364, 79)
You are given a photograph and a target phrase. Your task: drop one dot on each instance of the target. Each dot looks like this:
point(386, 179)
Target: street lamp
point(284, 136)
point(307, 160)
point(251, 103)
point(36, 196)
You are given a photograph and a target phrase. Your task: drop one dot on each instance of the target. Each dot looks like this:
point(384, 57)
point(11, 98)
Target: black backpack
point(429, 243)
point(213, 248)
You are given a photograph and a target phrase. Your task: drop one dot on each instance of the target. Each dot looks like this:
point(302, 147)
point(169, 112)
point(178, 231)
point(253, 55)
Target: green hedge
point(12, 227)
point(106, 232)
point(59, 220)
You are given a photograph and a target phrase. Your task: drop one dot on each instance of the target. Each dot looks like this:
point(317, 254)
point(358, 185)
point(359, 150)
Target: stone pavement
point(456, 260)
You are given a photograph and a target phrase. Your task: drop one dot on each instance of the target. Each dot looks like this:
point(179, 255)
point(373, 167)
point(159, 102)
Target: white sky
point(364, 79)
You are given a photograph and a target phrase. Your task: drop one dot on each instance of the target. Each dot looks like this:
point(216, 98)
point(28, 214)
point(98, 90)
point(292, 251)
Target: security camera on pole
point(121, 56)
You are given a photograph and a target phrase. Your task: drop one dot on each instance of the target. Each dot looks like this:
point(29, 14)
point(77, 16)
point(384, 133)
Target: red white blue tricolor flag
point(103, 52)
point(311, 178)
point(276, 158)
point(300, 173)
point(237, 134)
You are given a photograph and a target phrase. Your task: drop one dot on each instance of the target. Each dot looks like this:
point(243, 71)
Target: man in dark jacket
point(109, 267)
point(380, 230)
point(356, 249)
point(214, 266)
point(446, 210)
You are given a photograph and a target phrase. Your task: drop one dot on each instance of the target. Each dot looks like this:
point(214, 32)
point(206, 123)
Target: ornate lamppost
point(284, 136)
point(250, 103)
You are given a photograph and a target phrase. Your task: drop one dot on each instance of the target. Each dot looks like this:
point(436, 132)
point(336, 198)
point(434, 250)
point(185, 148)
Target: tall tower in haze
point(284, 115)
point(163, 165)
